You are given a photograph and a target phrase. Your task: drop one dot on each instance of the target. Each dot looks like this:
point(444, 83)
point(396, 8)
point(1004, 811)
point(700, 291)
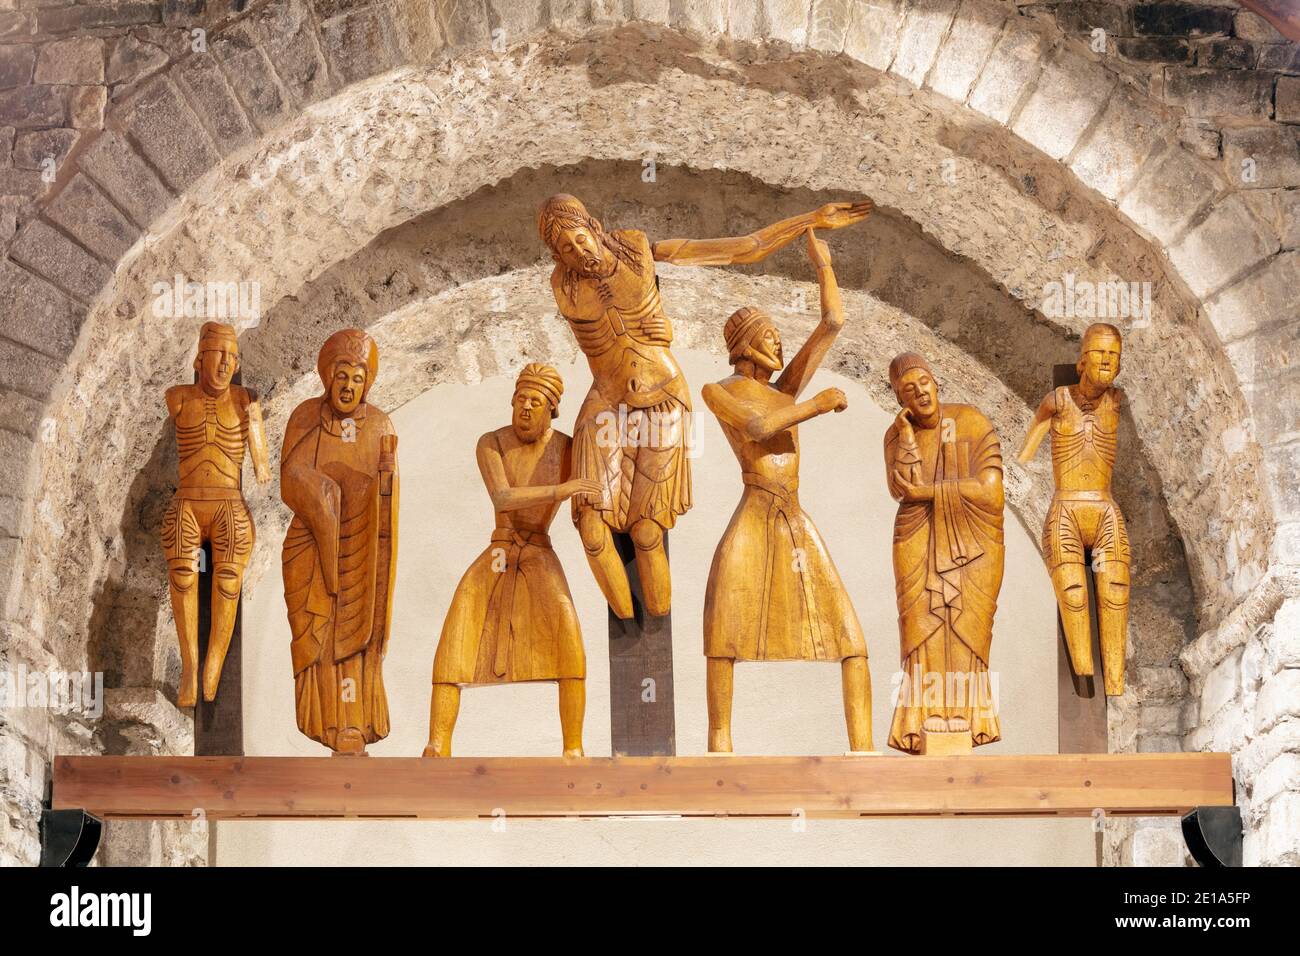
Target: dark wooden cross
point(641, 719)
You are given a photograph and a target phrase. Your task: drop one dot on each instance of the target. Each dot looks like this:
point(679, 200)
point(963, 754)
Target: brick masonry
point(1182, 117)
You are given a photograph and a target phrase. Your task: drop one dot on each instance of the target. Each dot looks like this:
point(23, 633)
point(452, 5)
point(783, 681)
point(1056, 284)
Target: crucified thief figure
point(631, 433)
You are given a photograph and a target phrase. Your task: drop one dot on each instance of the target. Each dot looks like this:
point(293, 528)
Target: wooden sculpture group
point(773, 592)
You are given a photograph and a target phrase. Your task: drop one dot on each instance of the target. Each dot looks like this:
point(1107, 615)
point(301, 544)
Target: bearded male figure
point(512, 617)
point(631, 435)
point(215, 421)
point(774, 593)
point(1084, 520)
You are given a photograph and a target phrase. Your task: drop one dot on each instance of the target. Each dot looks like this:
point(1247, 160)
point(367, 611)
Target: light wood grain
point(215, 421)
point(773, 591)
point(1084, 532)
point(467, 787)
point(338, 474)
point(633, 428)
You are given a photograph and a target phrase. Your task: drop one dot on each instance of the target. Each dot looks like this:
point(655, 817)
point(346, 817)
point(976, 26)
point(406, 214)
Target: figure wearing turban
point(215, 420)
point(338, 474)
point(943, 463)
point(773, 592)
point(512, 617)
point(631, 435)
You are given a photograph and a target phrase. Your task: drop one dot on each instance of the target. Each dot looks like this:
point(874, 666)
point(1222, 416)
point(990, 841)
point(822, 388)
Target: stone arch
point(250, 148)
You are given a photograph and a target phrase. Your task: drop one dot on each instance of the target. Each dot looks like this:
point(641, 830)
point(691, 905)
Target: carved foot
point(432, 751)
point(958, 725)
point(570, 752)
point(187, 695)
point(934, 725)
point(210, 685)
point(350, 741)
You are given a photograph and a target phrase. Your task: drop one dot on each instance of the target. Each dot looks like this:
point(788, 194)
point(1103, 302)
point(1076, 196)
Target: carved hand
point(818, 251)
point(835, 215)
point(903, 422)
point(911, 492)
point(830, 400)
point(589, 487)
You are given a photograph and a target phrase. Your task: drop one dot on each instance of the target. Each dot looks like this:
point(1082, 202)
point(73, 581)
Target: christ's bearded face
point(579, 250)
point(532, 414)
point(347, 387)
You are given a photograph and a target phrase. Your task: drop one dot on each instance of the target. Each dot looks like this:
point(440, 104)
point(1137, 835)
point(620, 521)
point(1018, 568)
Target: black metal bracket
point(1214, 835)
point(69, 837)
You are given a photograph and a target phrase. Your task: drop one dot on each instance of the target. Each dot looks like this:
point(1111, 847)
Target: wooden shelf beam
point(226, 788)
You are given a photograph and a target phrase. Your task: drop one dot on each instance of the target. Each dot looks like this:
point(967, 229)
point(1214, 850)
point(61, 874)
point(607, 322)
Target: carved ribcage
point(595, 336)
point(643, 322)
point(1083, 437)
point(646, 322)
point(223, 441)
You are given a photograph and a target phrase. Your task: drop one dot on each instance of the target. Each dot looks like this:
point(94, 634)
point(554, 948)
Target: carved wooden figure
point(215, 421)
point(512, 618)
point(338, 474)
point(943, 463)
point(631, 433)
point(773, 592)
point(1083, 421)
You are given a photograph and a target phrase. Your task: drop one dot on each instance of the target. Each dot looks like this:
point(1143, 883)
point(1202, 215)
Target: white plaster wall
point(779, 708)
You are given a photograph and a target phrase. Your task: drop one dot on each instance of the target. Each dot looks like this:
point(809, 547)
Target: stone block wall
point(1182, 115)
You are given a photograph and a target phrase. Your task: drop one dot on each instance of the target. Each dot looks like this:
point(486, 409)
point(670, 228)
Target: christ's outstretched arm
point(761, 244)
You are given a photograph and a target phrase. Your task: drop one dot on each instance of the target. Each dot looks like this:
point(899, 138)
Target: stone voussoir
point(82, 210)
point(970, 41)
point(215, 103)
point(1071, 91)
point(873, 33)
point(169, 134)
point(1130, 129)
point(1261, 299)
point(47, 252)
point(1228, 242)
point(1012, 66)
point(828, 24)
point(924, 27)
point(1172, 187)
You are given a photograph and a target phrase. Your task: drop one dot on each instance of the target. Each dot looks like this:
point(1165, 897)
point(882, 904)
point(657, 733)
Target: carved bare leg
point(183, 583)
point(606, 565)
point(443, 708)
point(652, 566)
point(719, 679)
point(182, 543)
point(1112, 613)
point(855, 675)
point(573, 705)
point(1072, 601)
point(227, 581)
